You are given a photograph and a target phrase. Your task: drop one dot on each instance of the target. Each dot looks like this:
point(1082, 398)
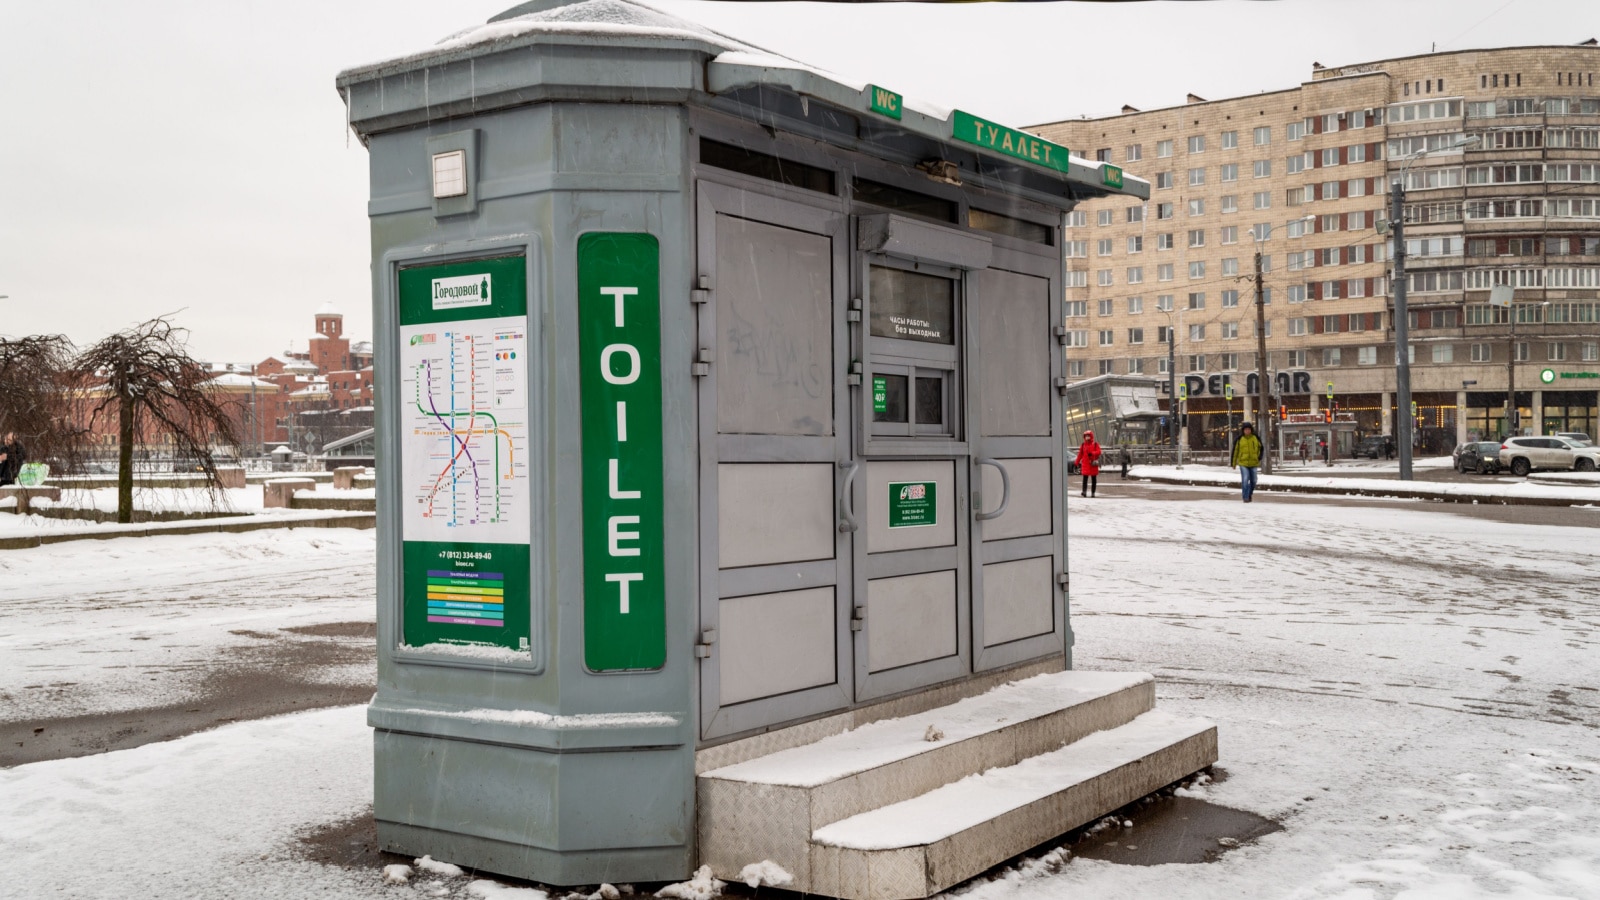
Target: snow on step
point(976, 799)
point(882, 743)
point(768, 808)
point(924, 845)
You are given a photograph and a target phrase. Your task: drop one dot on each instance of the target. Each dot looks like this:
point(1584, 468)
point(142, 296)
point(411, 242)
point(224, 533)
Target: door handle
point(846, 505)
point(1005, 490)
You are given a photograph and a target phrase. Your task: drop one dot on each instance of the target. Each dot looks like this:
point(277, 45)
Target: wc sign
point(619, 383)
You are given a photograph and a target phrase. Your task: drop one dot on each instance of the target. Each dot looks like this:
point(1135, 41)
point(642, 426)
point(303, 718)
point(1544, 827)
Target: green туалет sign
point(619, 383)
point(970, 129)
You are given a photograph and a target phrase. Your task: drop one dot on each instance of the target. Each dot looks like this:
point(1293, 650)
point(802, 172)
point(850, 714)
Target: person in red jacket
point(1089, 463)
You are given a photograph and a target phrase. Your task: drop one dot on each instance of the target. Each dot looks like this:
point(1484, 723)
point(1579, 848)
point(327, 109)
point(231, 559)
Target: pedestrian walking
point(1246, 458)
point(1126, 459)
point(12, 456)
point(1089, 463)
point(1305, 451)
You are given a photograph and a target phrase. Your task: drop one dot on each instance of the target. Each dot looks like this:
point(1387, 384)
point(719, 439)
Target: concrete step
point(924, 845)
point(769, 807)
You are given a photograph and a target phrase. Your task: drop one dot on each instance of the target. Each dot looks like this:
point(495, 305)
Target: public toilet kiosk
point(718, 412)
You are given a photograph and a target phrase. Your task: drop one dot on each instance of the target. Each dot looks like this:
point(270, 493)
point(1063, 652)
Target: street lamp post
point(1513, 411)
point(1263, 386)
point(1402, 320)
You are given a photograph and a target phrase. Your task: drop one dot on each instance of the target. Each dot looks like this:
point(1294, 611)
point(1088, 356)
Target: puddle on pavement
point(1172, 829)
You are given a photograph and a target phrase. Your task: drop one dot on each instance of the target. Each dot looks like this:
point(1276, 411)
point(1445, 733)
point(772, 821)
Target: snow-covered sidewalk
point(1316, 479)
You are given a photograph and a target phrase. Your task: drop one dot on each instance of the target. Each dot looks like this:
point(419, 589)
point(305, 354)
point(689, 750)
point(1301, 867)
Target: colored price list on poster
point(466, 598)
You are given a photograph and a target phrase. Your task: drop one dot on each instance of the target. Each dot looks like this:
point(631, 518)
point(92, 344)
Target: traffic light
point(1327, 415)
point(1283, 412)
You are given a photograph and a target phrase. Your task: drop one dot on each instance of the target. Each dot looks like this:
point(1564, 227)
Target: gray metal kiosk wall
point(714, 396)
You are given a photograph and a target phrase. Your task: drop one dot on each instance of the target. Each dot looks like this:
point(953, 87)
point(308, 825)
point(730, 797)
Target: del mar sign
point(970, 129)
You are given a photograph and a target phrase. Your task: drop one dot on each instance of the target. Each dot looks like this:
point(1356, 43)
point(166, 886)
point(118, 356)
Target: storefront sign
point(1021, 145)
point(1547, 375)
point(619, 384)
point(1577, 375)
point(1110, 175)
point(465, 512)
point(912, 504)
point(885, 102)
point(880, 394)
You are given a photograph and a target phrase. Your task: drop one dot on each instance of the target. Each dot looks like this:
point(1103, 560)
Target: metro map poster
point(465, 493)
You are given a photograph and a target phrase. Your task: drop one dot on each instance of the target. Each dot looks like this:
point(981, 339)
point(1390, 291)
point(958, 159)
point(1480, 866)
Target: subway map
point(464, 434)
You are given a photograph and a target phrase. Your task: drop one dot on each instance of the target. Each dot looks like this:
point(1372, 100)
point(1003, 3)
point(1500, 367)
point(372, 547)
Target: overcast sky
point(164, 155)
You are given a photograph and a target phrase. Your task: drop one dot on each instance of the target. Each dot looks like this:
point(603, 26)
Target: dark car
point(1372, 447)
point(1482, 457)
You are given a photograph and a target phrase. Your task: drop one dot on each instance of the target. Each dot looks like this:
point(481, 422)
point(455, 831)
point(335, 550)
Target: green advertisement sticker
point(913, 504)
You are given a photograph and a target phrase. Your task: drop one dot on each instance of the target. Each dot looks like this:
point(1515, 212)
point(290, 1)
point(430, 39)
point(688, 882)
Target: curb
point(1399, 493)
point(358, 520)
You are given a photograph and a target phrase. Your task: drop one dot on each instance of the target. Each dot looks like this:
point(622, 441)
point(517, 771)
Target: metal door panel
point(923, 608)
point(881, 537)
point(1028, 508)
point(1018, 546)
point(774, 618)
point(754, 530)
point(1018, 600)
point(776, 644)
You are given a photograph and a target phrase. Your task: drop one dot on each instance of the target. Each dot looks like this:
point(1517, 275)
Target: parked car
point(1482, 457)
point(1524, 454)
point(1576, 436)
point(1371, 446)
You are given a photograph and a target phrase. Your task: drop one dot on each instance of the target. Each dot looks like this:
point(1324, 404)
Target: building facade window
point(1105, 307)
point(1163, 149)
point(1228, 172)
point(1164, 272)
point(1366, 356)
point(1330, 356)
point(1133, 152)
point(1197, 143)
point(1135, 335)
point(1230, 140)
point(1263, 135)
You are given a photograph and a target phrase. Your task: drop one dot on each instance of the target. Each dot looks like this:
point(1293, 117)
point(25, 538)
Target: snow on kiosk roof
point(516, 58)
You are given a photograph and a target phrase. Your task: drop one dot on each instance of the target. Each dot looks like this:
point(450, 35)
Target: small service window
point(913, 353)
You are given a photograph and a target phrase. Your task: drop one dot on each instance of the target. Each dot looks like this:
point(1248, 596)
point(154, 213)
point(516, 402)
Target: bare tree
point(146, 378)
point(35, 399)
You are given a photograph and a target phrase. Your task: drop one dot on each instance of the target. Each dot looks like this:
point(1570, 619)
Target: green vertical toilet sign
point(619, 383)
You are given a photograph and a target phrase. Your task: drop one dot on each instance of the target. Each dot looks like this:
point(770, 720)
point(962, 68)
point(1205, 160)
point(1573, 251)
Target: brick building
point(1500, 155)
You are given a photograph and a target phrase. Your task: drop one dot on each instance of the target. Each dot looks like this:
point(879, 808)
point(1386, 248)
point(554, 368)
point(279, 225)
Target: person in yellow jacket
point(1247, 459)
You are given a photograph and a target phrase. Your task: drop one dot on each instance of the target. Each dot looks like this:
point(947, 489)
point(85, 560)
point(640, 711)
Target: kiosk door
point(911, 577)
point(1017, 609)
point(775, 564)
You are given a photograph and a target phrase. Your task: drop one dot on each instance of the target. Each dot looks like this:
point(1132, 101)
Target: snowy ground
point(1410, 690)
point(193, 501)
point(107, 626)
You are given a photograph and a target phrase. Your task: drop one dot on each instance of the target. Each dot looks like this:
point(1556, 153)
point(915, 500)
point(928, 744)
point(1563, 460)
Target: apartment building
point(1499, 154)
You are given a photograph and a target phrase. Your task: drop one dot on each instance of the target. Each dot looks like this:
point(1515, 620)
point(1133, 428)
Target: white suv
point(1524, 454)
